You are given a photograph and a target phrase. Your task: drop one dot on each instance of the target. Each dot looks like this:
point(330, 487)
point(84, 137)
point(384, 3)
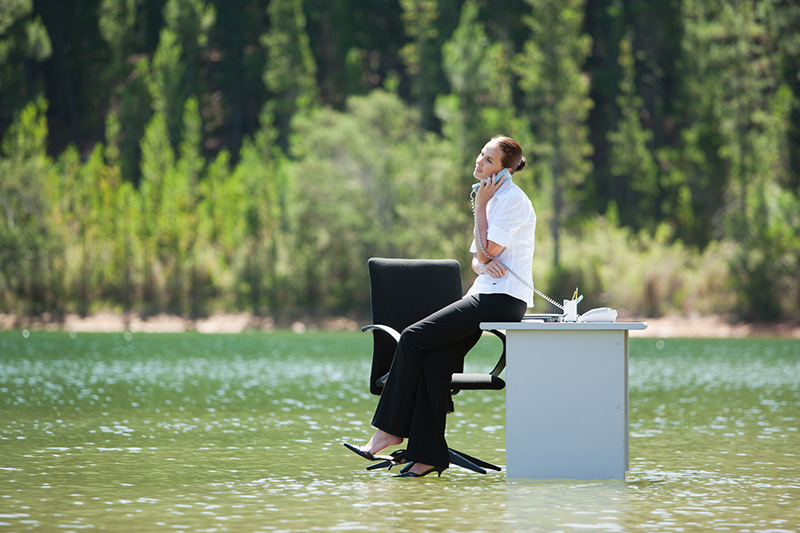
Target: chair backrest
point(403, 291)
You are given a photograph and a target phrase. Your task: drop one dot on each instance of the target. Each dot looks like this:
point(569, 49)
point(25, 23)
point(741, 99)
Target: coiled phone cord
point(494, 258)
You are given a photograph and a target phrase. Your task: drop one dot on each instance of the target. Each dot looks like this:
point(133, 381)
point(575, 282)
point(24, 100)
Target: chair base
point(456, 457)
point(470, 463)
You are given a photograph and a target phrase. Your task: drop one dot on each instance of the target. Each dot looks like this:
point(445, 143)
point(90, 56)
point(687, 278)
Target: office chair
point(403, 291)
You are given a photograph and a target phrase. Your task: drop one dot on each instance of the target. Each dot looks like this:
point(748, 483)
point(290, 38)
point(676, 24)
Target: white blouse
point(512, 224)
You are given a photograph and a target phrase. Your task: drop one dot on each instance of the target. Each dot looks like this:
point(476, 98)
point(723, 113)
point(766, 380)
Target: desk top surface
point(537, 324)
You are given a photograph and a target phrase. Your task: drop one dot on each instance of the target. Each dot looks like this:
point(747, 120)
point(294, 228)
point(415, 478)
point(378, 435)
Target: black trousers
point(414, 401)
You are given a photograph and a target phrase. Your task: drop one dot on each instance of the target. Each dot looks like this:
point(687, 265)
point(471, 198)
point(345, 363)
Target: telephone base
point(601, 314)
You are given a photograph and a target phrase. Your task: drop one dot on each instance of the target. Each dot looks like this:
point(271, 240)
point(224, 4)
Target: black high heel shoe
point(397, 457)
point(363, 453)
point(408, 473)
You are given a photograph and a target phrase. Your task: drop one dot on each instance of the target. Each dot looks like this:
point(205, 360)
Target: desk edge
point(564, 326)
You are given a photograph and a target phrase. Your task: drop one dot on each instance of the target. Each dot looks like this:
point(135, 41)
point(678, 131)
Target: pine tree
point(165, 82)
point(631, 161)
point(557, 103)
point(28, 243)
point(158, 160)
point(480, 104)
point(739, 83)
point(420, 18)
point(290, 71)
point(191, 20)
point(239, 77)
point(23, 42)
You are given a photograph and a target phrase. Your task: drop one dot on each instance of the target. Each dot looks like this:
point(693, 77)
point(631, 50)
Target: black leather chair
point(403, 291)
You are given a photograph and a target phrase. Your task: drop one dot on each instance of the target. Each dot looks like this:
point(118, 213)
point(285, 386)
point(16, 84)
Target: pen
point(575, 294)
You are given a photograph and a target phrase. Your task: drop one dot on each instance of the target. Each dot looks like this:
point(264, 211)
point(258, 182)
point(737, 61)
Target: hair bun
point(521, 165)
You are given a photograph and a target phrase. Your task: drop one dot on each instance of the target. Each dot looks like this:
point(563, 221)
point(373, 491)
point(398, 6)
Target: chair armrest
point(501, 363)
point(386, 329)
point(381, 381)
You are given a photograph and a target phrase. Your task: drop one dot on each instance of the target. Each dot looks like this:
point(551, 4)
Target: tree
point(290, 71)
point(237, 76)
point(356, 46)
point(421, 53)
point(24, 42)
point(782, 22)
point(116, 20)
point(741, 95)
point(557, 103)
point(263, 262)
point(221, 230)
point(631, 161)
point(165, 82)
point(28, 246)
point(480, 104)
point(372, 184)
point(177, 218)
point(191, 20)
point(158, 160)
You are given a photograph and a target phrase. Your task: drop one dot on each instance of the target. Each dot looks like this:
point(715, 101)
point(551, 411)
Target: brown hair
point(512, 153)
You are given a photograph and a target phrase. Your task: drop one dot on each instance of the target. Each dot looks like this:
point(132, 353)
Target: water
point(195, 432)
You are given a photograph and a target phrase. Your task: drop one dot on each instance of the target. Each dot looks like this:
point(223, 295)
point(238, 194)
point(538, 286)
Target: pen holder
point(570, 311)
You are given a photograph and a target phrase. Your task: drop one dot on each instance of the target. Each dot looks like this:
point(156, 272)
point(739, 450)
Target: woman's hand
point(487, 189)
point(495, 269)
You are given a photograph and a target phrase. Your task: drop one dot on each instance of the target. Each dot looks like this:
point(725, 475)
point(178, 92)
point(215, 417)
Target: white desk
point(566, 399)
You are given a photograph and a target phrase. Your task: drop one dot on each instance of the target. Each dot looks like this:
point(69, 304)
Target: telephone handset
point(498, 177)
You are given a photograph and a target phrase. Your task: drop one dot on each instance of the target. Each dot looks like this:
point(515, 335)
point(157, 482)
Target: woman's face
point(488, 161)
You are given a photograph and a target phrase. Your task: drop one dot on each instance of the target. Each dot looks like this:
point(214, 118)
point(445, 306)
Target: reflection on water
point(243, 433)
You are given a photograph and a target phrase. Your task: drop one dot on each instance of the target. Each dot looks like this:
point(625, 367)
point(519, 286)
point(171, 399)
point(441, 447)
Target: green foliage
point(369, 183)
point(480, 104)
point(116, 21)
point(23, 39)
point(28, 247)
point(191, 21)
point(641, 274)
point(290, 70)
point(765, 266)
point(200, 155)
point(749, 112)
point(421, 53)
point(165, 82)
point(557, 103)
point(631, 158)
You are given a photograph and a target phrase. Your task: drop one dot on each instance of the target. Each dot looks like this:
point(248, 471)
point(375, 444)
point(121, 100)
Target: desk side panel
point(566, 405)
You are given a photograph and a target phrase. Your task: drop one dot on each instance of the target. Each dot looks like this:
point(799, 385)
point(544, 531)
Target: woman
point(414, 401)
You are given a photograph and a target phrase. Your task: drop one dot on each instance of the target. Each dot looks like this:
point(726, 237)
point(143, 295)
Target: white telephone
point(601, 314)
point(498, 177)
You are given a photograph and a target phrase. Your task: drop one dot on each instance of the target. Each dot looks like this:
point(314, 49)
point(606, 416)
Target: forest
point(202, 156)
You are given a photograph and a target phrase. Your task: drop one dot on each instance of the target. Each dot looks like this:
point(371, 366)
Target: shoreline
point(112, 322)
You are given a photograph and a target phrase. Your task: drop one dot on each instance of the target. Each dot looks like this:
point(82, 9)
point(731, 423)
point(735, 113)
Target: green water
point(196, 432)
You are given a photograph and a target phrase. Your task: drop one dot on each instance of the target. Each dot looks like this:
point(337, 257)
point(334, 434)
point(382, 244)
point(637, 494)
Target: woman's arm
point(492, 267)
point(490, 247)
point(481, 262)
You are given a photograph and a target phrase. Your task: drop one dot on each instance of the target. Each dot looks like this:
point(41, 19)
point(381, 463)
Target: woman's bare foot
point(380, 441)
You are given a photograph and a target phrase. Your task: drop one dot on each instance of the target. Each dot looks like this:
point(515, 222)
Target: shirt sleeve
point(506, 218)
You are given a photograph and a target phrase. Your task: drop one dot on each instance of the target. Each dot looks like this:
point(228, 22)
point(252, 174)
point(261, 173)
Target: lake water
point(192, 432)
